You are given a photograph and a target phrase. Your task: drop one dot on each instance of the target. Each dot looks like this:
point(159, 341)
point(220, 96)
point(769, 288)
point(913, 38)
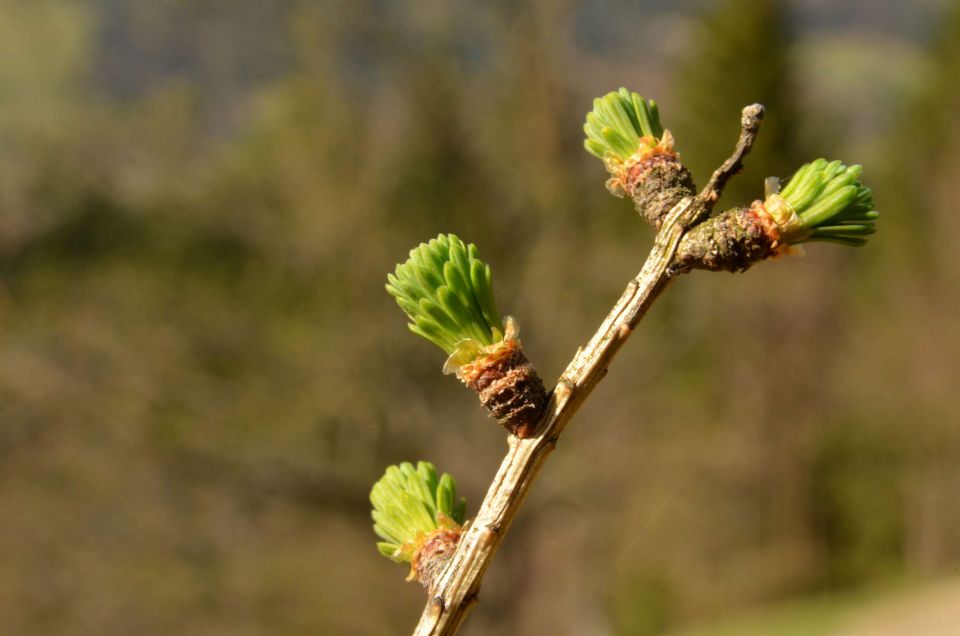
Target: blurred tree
point(887, 456)
point(921, 149)
point(45, 50)
point(922, 172)
point(739, 54)
point(439, 184)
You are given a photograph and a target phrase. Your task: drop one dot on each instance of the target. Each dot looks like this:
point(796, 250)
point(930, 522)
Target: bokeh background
point(201, 374)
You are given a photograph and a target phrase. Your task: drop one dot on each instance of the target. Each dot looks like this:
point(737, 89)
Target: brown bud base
point(434, 552)
point(657, 183)
point(508, 386)
point(732, 241)
point(653, 178)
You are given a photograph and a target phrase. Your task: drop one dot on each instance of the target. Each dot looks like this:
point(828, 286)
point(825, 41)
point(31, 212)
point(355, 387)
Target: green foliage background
point(201, 375)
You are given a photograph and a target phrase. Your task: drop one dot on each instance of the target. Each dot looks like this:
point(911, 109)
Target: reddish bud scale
point(508, 386)
point(429, 560)
point(656, 183)
point(731, 241)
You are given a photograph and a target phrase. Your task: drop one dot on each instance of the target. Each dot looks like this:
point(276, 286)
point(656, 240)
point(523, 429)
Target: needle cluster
point(621, 124)
point(409, 504)
point(830, 204)
point(447, 292)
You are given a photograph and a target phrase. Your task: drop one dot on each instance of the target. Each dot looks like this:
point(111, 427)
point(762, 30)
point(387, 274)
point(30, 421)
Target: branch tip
point(750, 119)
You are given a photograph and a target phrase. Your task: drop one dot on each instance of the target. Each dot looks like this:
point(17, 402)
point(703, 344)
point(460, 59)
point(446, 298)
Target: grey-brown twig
point(458, 587)
point(750, 119)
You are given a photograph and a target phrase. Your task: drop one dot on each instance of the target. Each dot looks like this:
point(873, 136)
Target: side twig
point(750, 120)
point(459, 585)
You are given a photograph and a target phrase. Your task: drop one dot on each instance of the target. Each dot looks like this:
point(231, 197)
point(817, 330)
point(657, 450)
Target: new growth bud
point(823, 201)
point(830, 204)
point(624, 131)
point(419, 518)
point(447, 292)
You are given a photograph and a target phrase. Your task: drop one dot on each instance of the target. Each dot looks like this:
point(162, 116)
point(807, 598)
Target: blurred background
point(201, 375)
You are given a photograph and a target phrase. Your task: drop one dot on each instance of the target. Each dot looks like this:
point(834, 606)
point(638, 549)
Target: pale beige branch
point(458, 587)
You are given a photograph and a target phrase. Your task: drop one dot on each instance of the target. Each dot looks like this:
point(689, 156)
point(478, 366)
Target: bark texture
point(656, 184)
point(508, 386)
point(732, 241)
point(433, 555)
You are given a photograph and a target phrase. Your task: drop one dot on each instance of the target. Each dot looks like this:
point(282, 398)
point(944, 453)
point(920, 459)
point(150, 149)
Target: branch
point(750, 119)
point(458, 586)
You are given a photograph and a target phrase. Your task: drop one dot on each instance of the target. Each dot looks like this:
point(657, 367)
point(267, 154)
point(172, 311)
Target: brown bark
point(508, 386)
point(433, 555)
point(732, 241)
point(656, 184)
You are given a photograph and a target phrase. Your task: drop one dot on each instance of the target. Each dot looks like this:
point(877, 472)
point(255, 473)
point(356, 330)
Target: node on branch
point(823, 201)
point(447, 292)
point(624, 131)
point(419, 518)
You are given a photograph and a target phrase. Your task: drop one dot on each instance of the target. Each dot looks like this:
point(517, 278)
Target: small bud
point(419, 518)
point(830, 205)
point(823, 201)
point(447, 292)
point(624, 131)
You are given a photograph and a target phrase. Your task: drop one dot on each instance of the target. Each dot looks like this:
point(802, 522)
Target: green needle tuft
point(830, 204)
point(410, 502)
point(447, 292)
point(617, 124)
